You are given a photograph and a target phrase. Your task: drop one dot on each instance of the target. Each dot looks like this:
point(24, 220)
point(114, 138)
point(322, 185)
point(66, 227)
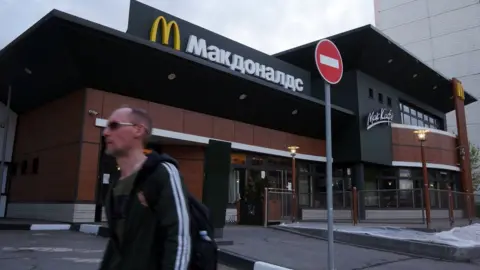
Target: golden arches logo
point(459, 91)
point(166, 28)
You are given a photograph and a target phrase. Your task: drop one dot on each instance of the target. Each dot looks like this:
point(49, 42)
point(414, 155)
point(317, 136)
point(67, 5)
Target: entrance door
point(107, 173)
point(279, 179)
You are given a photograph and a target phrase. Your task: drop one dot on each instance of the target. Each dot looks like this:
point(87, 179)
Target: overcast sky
point(267, 25)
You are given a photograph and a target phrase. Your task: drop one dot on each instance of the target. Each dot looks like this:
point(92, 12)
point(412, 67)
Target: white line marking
point(50, 227)
point(329, 61)
point(83, 260)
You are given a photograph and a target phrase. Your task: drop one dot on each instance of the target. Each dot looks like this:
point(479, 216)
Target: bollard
point(450, 207)
point(354, 206)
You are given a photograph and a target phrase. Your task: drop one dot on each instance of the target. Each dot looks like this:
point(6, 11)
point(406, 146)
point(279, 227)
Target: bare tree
point(475, 165)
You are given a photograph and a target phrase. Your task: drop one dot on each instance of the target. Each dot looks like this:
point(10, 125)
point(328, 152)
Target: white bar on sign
point(329, 61)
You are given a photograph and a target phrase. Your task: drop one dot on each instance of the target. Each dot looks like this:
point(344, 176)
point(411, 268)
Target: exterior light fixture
point(434, 87)
point(242, 97)
point(171, 76)
point(421, 134)
point(293, 150)
point(28, 71)
point(294, 112)
point(390, 61)
point(415, 75)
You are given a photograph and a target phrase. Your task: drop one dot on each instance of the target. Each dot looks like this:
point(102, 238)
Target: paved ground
point(303, 253)
point(51, 250)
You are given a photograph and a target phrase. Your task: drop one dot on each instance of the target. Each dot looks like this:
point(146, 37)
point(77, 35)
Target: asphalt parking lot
point(51, 250)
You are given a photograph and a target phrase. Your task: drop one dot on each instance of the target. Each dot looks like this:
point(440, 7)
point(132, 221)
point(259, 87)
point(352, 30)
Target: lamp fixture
point(171, 76)
point(390, 61)
point(422, 134)
point(293, 150)
point(242, 96)
point(415, 75)
point(434, 87)
point(28, 71)
point(294, 112)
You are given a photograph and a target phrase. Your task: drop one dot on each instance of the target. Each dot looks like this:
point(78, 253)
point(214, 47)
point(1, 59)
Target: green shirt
point(121, 193)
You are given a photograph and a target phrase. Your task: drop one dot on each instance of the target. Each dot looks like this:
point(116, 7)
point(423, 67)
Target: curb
point(406, 247)
point(34, 227)
point(224, 257)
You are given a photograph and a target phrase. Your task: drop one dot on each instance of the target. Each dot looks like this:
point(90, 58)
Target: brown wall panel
point(185, 121)
point(439, 148)
point(51, 133)
point(87, 177)
point(190, 160)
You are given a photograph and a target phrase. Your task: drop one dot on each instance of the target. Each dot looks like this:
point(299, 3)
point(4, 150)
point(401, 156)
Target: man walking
point(145, 233)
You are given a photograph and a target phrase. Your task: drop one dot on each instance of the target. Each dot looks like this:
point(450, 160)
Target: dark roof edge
point(110, 31)
point(317, 40)
point(468, 97)
point(29, 30)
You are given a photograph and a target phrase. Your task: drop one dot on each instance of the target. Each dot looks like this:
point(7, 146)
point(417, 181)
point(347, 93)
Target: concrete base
point(413, 248)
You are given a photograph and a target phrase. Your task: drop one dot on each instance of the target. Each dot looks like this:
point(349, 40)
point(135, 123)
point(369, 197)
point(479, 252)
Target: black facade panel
point(215, 183)
point(375, 143)
point(345, 140)
point(343, 94)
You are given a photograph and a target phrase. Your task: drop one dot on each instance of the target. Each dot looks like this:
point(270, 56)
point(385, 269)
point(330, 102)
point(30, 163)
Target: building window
point(35, 166)
point(417, 117)
point(389, 101)
point(380, 98)
point(370, 93)
point(23, 169)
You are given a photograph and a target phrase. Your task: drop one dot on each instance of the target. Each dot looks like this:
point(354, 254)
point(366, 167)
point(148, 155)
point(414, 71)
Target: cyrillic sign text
point(238, 63)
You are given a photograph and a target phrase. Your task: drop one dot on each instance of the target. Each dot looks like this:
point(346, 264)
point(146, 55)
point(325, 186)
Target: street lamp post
point(422, 137)
point(293, 151)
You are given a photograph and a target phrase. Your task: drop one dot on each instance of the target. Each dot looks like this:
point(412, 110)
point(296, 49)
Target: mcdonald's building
point(230, 115)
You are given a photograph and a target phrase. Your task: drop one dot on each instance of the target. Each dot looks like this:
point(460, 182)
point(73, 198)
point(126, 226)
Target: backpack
point(204, 249)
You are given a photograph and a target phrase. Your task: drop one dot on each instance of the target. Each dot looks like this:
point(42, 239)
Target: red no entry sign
point(329, 61)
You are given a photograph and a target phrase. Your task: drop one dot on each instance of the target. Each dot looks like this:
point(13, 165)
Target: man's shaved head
point(127, 129)
point(141, 117)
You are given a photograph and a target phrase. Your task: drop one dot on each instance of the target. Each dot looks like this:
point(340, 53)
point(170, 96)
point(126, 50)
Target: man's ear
point(139, 131)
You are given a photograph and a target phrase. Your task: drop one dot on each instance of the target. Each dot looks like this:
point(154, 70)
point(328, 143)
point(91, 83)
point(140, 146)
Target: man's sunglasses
point(117, 125)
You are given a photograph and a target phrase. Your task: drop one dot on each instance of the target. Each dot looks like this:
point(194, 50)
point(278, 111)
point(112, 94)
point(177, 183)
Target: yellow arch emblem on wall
point(459, 91)
point(166, 28)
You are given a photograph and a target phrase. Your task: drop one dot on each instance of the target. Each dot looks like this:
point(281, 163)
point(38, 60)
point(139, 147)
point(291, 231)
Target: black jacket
point(156, 237)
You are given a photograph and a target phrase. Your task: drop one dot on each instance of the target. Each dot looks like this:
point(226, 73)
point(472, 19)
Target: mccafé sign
point(199, 47)
point(381, 116)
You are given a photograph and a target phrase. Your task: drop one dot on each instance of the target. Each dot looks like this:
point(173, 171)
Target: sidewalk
point(436, 225)
point(304, 253)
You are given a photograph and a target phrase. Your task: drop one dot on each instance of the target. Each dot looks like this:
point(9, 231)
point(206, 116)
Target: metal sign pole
point(328, 135)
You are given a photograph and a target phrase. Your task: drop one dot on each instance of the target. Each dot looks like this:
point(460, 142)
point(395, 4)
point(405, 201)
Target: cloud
point(268, 25)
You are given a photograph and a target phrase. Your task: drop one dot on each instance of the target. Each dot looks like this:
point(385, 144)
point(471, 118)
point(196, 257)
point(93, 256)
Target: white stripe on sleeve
point(183, 252)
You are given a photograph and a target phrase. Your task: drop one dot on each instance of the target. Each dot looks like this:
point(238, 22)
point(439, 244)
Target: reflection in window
point(415, 117)
point(234, 186)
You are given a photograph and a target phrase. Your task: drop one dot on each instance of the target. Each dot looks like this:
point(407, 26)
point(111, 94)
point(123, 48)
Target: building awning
point(370, 51)
point(63, 53)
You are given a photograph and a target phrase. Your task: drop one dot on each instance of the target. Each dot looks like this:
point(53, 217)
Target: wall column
point(463, 144)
